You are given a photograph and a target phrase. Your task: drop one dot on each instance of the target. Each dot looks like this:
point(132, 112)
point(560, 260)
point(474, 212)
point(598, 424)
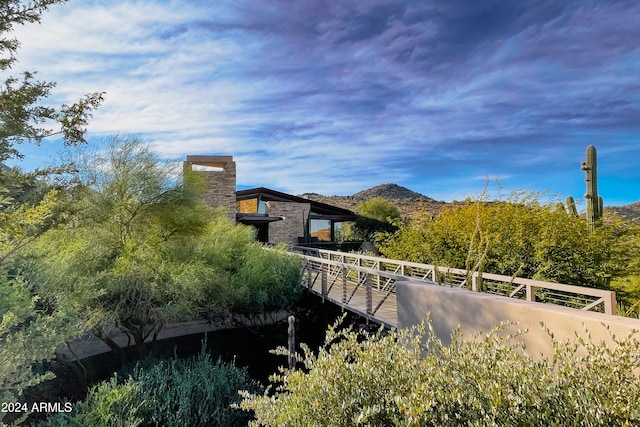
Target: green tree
point(123, 259)
point(142, 251)
point(374, 217)
point(517, 237)
point(28, 332)
point(22, 115)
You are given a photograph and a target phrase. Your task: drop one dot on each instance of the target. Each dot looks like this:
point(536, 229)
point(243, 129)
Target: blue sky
point(338, 96)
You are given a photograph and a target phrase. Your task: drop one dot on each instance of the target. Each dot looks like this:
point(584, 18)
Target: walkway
point(366, 285)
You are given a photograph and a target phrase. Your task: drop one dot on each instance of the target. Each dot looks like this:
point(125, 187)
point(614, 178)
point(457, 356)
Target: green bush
point(518, 237)
point(266, 280)
point(174, 392)
point(409, 378)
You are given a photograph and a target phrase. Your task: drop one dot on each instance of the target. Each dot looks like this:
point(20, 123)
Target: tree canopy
point(374, 216)
point(142, 251)
point(23, 116)
point(29, 205)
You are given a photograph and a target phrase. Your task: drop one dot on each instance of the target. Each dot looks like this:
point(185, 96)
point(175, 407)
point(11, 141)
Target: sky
point(334, 97)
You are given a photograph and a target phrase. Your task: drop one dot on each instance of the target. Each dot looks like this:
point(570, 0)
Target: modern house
point(277, 217)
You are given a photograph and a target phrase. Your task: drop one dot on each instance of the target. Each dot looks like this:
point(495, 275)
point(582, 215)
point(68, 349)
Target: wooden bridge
point(366, 285)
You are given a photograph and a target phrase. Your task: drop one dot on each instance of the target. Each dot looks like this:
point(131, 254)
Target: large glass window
point(251, 206)
point(337, 232)
point(320, 229)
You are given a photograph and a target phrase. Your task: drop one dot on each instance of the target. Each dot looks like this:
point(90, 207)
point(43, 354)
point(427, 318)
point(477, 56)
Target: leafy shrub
point(266, 280)
point(175, 392)
point(409, 378)
point(521, 237)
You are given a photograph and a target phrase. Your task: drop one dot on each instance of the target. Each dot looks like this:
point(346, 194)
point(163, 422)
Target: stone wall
point(220, 180)
point(295, 217)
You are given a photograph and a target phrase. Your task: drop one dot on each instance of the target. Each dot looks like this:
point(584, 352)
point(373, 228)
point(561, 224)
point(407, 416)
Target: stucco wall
point(288, 230)
point(476, 312)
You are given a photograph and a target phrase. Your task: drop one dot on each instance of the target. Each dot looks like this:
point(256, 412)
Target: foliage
point(142, 251)
point(266, 280)
point(374, 216)
point(174, 392)
point(518, 237)
point(22, 117)
point(409, 378)
point(108, 262)
point(29, 333)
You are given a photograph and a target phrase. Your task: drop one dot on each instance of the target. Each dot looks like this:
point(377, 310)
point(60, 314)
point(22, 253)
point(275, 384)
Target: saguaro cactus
point(595, 204)
point(594, 201)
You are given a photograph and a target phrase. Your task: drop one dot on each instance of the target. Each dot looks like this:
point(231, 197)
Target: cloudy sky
point(338, 96)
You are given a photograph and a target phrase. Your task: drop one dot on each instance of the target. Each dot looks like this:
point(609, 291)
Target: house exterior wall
point(221, 184)
point(289, 229)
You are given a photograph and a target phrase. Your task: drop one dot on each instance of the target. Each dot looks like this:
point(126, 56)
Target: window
point(320, 229)
point(252, 206)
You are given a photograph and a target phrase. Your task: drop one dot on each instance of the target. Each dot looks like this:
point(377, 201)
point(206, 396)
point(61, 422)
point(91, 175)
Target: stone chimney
point(220, 175)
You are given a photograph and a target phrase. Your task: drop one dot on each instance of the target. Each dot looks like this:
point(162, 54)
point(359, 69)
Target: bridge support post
point(291, 331)
point(369, 296)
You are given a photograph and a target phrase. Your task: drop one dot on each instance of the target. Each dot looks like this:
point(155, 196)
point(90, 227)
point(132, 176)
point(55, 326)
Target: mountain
point(411, 203)
point(391, 192)
point(407, 201)
point(630, 212)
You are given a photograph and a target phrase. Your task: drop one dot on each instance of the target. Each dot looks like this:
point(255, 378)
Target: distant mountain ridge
point(630, 211)
point(410, 202)
point(387, 191)
point(391, 192)
point(407, 201)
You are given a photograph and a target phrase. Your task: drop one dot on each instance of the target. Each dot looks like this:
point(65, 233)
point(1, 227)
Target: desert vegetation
point(409, 378)
point(115, 241)
point(527, 237)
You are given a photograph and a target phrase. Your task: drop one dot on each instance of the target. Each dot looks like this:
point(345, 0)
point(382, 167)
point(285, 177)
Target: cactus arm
point(600, 207)
point(571, 206)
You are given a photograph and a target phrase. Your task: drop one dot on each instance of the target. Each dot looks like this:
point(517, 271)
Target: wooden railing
point(383, 273)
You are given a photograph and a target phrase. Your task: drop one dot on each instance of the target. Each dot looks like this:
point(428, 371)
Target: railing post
point(531, 293)
point(345, 272)
point(474, 281)
point(368, 293)
point(324, 282)
point(610, 304)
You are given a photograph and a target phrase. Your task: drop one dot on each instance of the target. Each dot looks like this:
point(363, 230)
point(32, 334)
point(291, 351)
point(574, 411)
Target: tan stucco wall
point(476, 312)
point(288, 230)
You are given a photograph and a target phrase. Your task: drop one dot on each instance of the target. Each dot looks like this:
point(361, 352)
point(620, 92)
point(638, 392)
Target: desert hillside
point(410, 203)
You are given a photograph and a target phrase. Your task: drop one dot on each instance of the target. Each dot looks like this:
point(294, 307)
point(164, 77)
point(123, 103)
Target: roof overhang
point(253, 218)
point(320, 210)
